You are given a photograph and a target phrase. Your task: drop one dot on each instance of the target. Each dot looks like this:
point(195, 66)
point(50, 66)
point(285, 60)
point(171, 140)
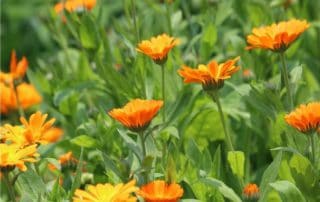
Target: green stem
point(286, 79)
point(215, 97)
point(20, 109)
point(133, 7)
point(168, 15)
point(9, 186)
point(163, 94)
point(143, 146)
point(313, 148)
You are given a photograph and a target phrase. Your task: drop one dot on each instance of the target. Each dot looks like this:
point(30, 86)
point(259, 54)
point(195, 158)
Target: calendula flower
point(66, 160)
point(37, 127)
point(251, 191)
point(137, 114)
point(107, 193)
point(305, 118)
point(211, 76)
point(17, 69)
point(276, 37)
point(160, 191)
point(74, 5)
point(13, 155)
point(157, 48)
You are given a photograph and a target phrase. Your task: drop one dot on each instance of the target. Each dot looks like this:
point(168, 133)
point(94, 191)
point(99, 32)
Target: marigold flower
point(211, 76)
point(158, 47)
point(305, 118)
point(36, 128)
point(160, 191)
point(137, 114)
point(13, 156)
point(65, 160)
point(251, 191)
point(74, 5)
point(276, 37)
point(107, 193)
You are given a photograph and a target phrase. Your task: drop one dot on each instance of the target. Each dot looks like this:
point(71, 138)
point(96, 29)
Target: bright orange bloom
point(211, 76)
point(66, 159)
point(158, 47)
point(137, 114)
point(305, 118)
point(251, 191)
point(107, 193)
point(74, 5)
point(276, 37)
point(36, 128)
point(52, 135)
point(160, 191)
point(12, 155)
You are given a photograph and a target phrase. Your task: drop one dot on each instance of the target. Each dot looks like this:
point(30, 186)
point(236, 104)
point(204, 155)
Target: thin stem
point(143, 146)
point(313, 148)
point(286, 79)
point(9, 186)
point(20, 109)
point(133, 7)
point(163, 94)
point(168, 15)
point(215, 97)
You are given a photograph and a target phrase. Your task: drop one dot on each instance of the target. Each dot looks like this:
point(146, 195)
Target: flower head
point(160, 191)
point(251, 191)
point(276, 37)
point(74, 5)
point(107, 193)
point(37, 127)
point(14, 156)
point(305, 118)
point(158, 47)
point(137, 114)
point(211, 76)
point(66, 160)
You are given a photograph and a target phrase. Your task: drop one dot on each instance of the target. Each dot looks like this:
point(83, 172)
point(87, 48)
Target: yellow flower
point(160, 191)
point(158, 47)
point(107, 193)
point(305, 118)
point(211, 76)
point(276, 37)
point(251, 191)
point(13, 156)
point(137, 114)
point(36, 128)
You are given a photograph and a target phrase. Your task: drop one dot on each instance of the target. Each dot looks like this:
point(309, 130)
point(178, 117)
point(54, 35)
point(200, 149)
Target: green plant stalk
point(313, 148)
point(20, 109)
point(168, 15)
point(143, 146)
point(215, 97)
point(9, 186)
point(133, 7)
point(286, 79)
point(163, 94)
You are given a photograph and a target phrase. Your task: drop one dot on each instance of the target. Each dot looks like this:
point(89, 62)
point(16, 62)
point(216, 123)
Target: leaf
point(270, 175)
point(88, 32)
point(226, 191)
point(236, 161)
point(288, 191)
point(85, 141)
point(193, 152)
point(210, 35)
point(77, 180)
point(131, 144)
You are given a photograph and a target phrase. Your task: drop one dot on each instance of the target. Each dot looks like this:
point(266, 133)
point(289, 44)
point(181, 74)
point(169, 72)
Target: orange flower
point(12, 155)
point(158, 47)
point(107, 193)
point(160, 191)
point(251, 191)
point(276, 37)
point(36, 128)
point(74, 5)
point(65, 160)
point(305, 118)
point(211, 76)
point(137, 114)
point(52, 135)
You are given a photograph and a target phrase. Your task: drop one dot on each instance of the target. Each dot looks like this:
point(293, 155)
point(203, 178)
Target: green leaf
point(236, 161)
point(85, 141)
point(270, 175)
point(193, 152)
point(77, 180)
point(226, 191)
point(288, 191)
point(131, 144)
point(210, 35)
point(88, 32)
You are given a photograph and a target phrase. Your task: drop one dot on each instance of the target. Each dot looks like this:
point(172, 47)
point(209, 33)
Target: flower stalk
point(9, 185)
point(20, 109)
point(163, 93)
point(286, 79)
point(312, 147)
point(133, 7)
